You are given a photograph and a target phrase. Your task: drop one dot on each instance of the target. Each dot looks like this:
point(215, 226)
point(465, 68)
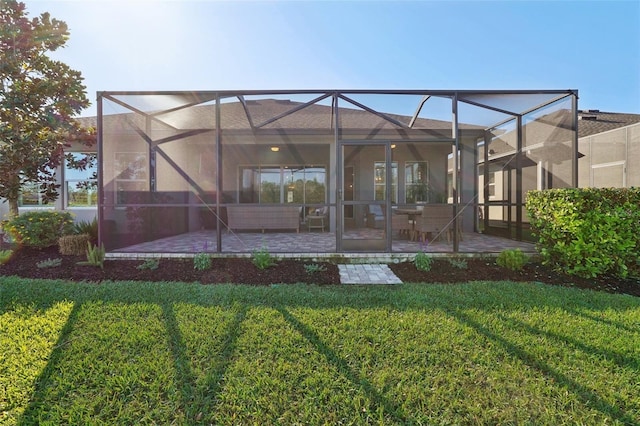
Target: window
point(417, 181)
point(283, 184)
point(315, 188)
point(379, 178)
point(270, 185)
point(491, 185)
point(81, 186)
point(131, 176)
point(30, 196)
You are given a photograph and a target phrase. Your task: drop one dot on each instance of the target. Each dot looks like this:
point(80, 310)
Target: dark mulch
point(223, 270)
point(487, 270)
point(241, 270)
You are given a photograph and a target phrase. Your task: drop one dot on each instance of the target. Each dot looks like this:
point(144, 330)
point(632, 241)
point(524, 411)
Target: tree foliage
point(39, 97)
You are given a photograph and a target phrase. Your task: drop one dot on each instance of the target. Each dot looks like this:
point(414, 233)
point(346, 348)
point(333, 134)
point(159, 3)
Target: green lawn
point(481, 353)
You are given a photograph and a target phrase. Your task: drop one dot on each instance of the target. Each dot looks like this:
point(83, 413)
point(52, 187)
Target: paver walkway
point(317, 243)
point(367, 274)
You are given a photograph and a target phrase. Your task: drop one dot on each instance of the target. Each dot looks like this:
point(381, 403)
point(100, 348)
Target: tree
point(39, 97)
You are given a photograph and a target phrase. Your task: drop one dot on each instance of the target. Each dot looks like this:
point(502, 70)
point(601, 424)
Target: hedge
point(588, 231)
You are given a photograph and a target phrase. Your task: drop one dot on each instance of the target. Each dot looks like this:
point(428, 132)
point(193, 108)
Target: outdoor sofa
point(252, 217)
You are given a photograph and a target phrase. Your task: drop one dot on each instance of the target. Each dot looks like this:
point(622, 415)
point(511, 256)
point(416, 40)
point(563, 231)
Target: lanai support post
point(456, 162)
point(100, 172)
point(519, 195)
point(219, 186)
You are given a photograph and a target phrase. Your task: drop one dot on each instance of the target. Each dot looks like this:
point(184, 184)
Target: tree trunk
point(12, 194)
point(13, 207)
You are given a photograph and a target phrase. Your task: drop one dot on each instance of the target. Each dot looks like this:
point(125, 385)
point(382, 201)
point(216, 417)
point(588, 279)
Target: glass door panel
point(364, 202)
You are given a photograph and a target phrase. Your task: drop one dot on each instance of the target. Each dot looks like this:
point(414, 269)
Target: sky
point(151, 45)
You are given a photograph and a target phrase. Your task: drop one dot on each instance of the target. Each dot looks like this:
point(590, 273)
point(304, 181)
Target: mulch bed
point(223, 270)
point(241, 270)
point(486, 270)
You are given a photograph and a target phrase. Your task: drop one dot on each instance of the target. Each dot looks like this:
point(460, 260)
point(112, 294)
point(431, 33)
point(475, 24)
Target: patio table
point(412, 213)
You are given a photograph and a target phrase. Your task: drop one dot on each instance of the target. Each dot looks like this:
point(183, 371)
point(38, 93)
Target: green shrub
point(262, 258)
point(90, 228)
point(39, 228)
point(150, 264)
point(95, 256)
point(5, 255)
point(423, 261)
point(458, 263)
point(312, 268)
point(588, 231)
point(513, 259)
point(201, 261)
point(49, 263)
point(73, 245)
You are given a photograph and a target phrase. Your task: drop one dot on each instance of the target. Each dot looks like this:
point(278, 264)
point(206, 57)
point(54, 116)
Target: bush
point(262, 258)
point(73, 245)
point(588, 231)
point(513, 259)
point(423, 261)
point(39, 228)
point(458, 263)
point(312, 268)
point(90, 228)
point(95, 256)
point(5, 255)
point(201, 262)
point(149, 264)
point(49, 263)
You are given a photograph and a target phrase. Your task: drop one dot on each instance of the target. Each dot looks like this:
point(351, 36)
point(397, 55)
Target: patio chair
point(437, 221)
point(375, 216)
point(318, 218)
point(402, 224)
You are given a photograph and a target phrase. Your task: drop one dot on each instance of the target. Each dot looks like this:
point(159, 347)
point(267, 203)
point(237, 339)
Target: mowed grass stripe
point(279, 376)
point(27, 337)
point(115, 363)
point(483, 353)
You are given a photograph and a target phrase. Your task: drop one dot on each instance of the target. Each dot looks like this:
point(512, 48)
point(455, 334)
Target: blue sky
point(591, 46)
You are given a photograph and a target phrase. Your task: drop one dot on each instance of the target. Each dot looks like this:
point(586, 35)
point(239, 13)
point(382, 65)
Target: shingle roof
point(318, 116)
point(591, 122)
point(262, 113)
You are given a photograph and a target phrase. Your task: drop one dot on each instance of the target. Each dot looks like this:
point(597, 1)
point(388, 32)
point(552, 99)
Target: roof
point(591, 122)
point(287, 114)
point(281, 115)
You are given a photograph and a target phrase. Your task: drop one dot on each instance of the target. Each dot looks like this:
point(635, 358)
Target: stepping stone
point(367, 274)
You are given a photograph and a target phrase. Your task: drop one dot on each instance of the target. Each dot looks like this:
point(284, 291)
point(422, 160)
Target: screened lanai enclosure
point(326, 171)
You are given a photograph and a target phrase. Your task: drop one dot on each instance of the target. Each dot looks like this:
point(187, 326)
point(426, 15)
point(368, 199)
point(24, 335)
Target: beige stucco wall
point(611, 159)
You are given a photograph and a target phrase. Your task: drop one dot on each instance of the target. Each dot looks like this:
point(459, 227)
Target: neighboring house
point(608, 156)
point(610, 145)
point(175, 163)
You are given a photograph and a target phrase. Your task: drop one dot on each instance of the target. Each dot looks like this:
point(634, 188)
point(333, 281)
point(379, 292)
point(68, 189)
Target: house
point(610, 144)
point(237, 170)
point(607, 145)
point(78, 189)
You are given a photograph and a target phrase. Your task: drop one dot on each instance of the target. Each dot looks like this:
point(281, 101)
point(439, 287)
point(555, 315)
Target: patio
point(315, 244)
